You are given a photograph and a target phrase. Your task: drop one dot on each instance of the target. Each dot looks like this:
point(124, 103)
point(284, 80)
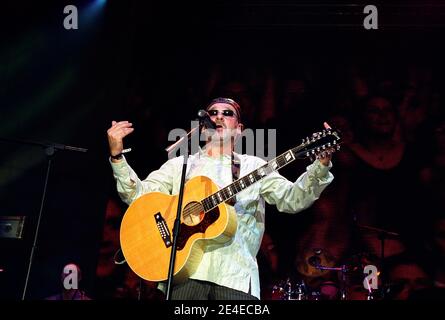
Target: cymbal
point(383, 232)
point(311, 258)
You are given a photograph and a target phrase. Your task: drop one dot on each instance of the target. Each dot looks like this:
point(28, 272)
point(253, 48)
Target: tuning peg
point(316, 136)
point(326, 125)
point(334, 142)
point(338, 147)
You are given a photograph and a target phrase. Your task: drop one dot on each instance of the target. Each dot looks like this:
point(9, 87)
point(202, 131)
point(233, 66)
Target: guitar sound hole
point(193, 214)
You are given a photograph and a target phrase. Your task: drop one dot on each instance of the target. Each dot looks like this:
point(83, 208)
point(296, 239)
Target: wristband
point(117, 157)
point(120, 155)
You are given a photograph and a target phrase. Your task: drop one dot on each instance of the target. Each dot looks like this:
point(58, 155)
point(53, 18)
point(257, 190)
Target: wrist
point(116, 157)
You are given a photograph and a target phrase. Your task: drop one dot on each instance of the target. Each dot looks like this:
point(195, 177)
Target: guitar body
point(146, 232)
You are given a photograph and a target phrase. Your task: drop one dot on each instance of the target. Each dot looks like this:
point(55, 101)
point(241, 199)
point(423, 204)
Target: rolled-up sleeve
point(294, 197)
point(130, 187)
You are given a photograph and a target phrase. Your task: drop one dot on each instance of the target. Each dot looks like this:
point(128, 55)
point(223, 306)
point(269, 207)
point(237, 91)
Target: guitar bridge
point(163, 229)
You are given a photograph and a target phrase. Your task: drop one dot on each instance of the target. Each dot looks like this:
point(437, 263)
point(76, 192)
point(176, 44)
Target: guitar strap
point(235, 175)
point(235, 167)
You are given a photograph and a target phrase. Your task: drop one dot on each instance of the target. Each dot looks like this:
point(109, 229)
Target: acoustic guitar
point(146, 234)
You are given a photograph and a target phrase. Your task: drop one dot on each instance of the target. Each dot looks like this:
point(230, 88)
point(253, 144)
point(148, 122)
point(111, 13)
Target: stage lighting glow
point(95, 5)
point(92, 11)
point(100, 2)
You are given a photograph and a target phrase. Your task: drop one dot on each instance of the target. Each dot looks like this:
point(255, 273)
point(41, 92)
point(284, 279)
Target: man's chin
point(220, 137)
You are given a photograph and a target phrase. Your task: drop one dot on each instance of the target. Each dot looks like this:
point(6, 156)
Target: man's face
point(225, 117)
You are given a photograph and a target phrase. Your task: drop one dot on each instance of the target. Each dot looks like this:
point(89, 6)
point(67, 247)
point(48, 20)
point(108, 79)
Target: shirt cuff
point(120, 167)
point(318, 169)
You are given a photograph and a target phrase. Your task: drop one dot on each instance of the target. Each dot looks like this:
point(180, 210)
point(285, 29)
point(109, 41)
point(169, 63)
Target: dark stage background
point(291, 65)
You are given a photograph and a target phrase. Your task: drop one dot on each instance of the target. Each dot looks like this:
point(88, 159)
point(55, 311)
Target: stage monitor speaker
point(11, 226)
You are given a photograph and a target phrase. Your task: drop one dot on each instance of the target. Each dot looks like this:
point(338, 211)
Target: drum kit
point(319, 278)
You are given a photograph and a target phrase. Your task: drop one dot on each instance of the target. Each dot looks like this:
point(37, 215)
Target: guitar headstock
point(319, 144)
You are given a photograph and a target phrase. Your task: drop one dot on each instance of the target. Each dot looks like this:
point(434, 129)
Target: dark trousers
point(203, 290)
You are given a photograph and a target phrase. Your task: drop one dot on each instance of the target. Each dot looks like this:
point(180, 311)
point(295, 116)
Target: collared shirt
point(233, 265)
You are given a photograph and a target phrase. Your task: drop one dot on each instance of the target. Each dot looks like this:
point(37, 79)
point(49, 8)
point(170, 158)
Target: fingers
point(127, 131)
point(325, 158)
point(120, 129)
point(120, 124)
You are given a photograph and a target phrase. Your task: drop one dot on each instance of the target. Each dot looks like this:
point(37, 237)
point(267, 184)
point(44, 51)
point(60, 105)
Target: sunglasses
point(225, 113)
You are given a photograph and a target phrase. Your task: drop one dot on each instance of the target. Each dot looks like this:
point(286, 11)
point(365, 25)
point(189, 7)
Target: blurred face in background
point(408, 278)
point(294, 93)
point(380, 117)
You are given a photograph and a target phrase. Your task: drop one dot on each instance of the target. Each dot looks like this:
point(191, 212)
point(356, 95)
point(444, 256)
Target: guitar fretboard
point(239, 185)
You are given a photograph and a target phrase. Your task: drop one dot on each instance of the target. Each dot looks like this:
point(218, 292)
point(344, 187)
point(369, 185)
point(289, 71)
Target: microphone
point(204, 119)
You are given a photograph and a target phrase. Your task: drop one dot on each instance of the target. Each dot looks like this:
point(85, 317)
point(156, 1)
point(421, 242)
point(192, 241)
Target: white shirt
point(233, 265)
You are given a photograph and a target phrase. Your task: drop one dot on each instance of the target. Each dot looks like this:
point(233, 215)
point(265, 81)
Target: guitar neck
point(239, 185)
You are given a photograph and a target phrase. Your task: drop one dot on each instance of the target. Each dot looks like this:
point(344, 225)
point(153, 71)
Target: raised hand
point(116, 134)
point(326, 156)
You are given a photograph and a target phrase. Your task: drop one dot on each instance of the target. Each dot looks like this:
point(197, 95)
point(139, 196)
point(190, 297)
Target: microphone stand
point(177, 223)
point(382, 235)
point(50, 150)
